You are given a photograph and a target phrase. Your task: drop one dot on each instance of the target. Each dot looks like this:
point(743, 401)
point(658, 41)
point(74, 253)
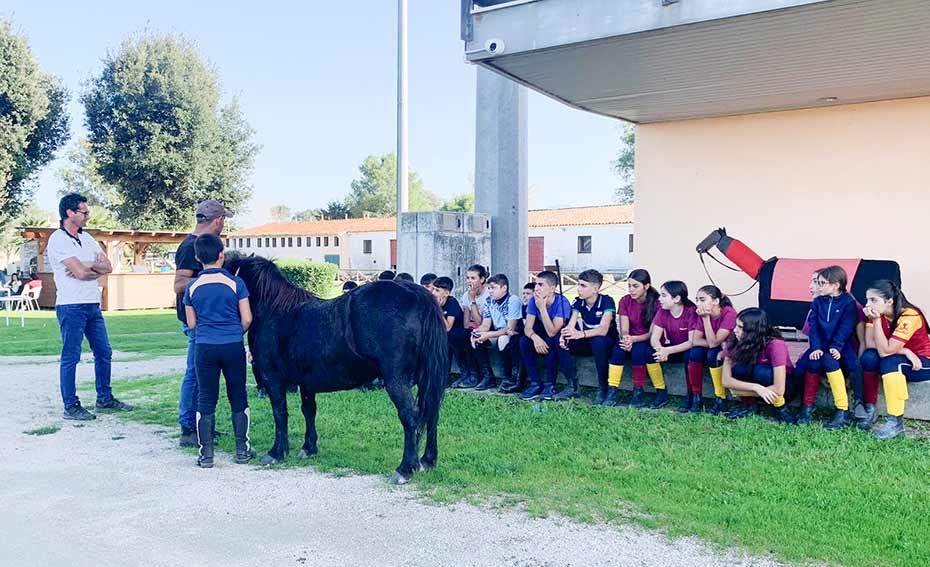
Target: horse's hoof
point(269, 460)
point(398, 479)
point(305, 454)
point(426, 466)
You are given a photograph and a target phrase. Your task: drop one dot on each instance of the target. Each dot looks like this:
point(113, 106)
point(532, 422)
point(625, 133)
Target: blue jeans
point(187, 401)
point(78, 321)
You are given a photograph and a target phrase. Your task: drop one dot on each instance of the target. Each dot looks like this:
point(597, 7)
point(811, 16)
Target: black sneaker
point(637, 401)
point(548, 392)
point(839, 421)
point(613, 397)
point(78, 413)
point(660, 401)
point(720, 406)
point(892, 427)
point(782, 415)
point(567, 393)
point(745, 410)
point(532, 391)
point(113, 405)
point(806, 415)
point(866, 417)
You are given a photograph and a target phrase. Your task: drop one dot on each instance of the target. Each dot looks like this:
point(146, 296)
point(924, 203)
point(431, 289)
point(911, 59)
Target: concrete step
point(918, 404)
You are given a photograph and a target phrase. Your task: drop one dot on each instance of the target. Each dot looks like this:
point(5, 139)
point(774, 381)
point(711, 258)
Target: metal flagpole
point(402, 167)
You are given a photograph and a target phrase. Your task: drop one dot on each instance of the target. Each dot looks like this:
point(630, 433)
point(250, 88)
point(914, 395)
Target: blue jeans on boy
point(78, 321)
point(187, 401)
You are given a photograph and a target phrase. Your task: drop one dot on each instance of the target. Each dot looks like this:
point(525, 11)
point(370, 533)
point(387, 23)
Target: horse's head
point(268, 288)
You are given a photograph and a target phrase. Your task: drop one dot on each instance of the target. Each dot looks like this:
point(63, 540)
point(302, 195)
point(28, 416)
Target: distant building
point(579, 237)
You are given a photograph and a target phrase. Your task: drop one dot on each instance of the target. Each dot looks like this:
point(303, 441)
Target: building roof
point(337, 226)
point(538, 218)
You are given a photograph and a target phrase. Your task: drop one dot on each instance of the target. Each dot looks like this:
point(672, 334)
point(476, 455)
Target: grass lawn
point(150, 332)
point(800, 493)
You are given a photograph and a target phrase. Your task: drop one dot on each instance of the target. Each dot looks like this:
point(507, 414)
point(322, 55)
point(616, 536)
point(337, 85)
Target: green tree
point(374, 192)
point(158, 133)
point(464, 203)
point(10, 235)
point(80, 175)
point(624, 165)
point(33, 120)
point(280, 213)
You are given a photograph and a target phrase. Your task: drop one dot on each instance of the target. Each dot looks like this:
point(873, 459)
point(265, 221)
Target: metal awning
point(663, 60)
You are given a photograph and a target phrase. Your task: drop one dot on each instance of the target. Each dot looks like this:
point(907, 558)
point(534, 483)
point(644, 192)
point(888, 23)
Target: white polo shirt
point(70, 290)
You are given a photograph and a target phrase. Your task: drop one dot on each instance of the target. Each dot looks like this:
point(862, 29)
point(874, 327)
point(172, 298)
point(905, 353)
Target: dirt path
point(118, 493)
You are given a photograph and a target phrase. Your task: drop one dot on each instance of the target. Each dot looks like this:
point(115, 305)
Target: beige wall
point(848, 181)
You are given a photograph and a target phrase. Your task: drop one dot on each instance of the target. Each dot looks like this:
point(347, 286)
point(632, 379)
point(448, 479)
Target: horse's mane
point(271, 291)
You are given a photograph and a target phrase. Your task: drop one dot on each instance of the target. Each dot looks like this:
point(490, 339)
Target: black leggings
point(210, 360)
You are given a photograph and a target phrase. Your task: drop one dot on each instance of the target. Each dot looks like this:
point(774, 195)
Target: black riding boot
point(486, 373)
point(613, 397)
point(205, 424)
point(569, 391)
point(244, 451)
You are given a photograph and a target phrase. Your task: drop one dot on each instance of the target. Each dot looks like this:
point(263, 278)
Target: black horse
point(389, 329)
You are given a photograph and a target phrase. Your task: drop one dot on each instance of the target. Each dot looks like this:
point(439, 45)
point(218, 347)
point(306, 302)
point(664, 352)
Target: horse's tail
point(433, 364)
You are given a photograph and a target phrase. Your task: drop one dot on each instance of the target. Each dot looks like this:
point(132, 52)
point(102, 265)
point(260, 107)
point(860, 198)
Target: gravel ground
point(113, 492)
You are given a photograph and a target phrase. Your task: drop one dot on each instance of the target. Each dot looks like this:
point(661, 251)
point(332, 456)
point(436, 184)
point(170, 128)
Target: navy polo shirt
point(215, 296)
point(591, 316)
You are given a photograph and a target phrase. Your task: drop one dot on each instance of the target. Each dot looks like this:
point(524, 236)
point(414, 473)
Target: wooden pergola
point(120, 290)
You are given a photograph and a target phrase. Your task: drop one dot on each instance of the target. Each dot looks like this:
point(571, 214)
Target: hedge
point(316, 277)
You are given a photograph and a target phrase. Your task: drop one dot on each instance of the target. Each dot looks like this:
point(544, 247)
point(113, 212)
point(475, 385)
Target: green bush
point(315, 277)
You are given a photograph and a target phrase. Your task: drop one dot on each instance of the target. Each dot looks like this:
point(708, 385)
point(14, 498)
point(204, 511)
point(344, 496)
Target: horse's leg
point(399, 391)
point(278, 397)
point(431, 452)
point(308, 407)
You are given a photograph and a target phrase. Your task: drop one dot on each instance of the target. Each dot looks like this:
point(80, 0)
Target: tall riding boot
point(569, 391)
point(205, 424)
point(512, 383)
point(244, 451)
point(486, 373)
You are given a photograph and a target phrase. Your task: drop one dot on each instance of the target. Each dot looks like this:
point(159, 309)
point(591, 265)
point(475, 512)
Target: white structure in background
point(579, 237)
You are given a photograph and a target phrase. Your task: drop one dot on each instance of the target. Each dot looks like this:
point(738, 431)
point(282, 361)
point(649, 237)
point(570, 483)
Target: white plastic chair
point(32, 298)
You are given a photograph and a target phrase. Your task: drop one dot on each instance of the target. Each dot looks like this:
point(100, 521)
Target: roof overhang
point(663, 60)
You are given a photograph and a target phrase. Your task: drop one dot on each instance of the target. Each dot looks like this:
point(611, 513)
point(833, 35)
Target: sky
point(317, 82)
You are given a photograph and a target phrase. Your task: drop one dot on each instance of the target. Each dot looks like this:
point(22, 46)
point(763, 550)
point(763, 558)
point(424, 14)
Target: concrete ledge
point(918, 404)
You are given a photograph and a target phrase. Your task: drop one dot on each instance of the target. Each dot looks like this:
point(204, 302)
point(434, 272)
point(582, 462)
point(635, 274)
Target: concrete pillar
point(501, 186)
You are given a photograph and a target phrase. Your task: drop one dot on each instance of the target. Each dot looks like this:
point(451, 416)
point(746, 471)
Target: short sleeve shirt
point(215, 296)
point(560, 308)
point(502, 312)
point(633, 309)
point(726, 320)
point(480, 300)
point(910, 330)
point(592, 315)
point(185, 259)
point(675, 330)
point(775, 354)
point(61, 246)
point(452, 309)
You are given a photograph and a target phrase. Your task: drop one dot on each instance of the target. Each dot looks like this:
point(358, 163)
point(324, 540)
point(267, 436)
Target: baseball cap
point(209, 210)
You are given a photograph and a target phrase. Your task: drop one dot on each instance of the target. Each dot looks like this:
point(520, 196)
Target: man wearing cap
point(211, 217)
point(77, 261)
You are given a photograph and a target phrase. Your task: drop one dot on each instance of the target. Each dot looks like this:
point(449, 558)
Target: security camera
point(494, 46)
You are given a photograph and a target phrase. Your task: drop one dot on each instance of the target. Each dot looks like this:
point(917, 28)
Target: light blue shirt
point(510, 309)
